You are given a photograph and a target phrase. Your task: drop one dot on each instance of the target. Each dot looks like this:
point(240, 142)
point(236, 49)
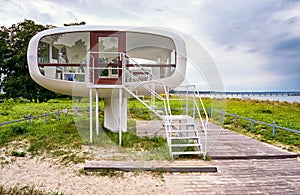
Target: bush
point(18, 130)
point(23, 101)
point(18, 153)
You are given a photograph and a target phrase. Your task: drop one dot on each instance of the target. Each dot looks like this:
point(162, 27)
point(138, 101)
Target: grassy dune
point(62, 138)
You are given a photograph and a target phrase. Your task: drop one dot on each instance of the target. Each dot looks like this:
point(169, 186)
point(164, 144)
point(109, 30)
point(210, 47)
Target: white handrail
point(126, 73)
point(206, 122)
point(166, 102)
point(203, 108)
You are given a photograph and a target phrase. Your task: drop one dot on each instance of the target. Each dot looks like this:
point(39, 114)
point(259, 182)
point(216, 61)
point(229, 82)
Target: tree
point(17, 81)
point(3, 50)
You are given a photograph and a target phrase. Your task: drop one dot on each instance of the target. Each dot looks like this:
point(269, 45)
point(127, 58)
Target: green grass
point(22, 190)
point(64, 138)
point(61, 139)
point(282, 113)
point(12, 110)
point(135, 142)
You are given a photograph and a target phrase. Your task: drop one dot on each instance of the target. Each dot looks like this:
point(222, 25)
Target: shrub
point(18, 153)
point(18, 130)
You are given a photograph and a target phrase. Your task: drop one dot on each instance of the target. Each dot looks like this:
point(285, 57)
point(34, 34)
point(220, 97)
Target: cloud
point(290, 44)
point(254, 43)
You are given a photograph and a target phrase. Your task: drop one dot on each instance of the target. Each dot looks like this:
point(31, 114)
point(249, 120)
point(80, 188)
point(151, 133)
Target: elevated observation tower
point(118, 63)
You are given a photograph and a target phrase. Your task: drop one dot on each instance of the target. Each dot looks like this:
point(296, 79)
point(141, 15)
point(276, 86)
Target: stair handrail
point(205, 127)
point(135, 96)
point(125, 72)
point(167, 108)
point(154, 78)
point(166, 103)
point(144, 85)
point(203, 108)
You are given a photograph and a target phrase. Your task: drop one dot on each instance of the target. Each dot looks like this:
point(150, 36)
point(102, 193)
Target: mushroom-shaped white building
point(116, 63)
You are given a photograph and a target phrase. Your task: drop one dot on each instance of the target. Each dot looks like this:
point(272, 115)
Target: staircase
point(182, 131)
point(182, 128)
point(184, 138)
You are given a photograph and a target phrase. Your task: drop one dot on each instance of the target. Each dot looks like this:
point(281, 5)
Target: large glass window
point(150, 48)
point(156, 53)
point(67, 52)
point(108, 56)
point(63, 56)
point(68, 48)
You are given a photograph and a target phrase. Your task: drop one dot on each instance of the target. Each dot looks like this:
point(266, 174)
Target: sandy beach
point(50, 175)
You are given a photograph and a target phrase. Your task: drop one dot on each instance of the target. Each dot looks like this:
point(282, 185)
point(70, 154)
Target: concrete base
point(112, 113)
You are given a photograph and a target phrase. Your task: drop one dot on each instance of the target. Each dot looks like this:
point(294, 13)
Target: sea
point(283, 98)
point(271, 96)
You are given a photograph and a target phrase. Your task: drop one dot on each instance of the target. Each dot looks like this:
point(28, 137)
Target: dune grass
point(61, 138)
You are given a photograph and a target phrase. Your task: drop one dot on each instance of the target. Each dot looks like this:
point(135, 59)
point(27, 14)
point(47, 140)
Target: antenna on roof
point(75, 24)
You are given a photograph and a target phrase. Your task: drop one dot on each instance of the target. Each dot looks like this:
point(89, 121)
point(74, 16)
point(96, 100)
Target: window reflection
point(63, 56)
point(64, 48)
point(108, 56)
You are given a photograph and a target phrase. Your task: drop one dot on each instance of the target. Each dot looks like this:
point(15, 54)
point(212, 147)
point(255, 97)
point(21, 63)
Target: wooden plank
point(202, 169)
point(153, 166)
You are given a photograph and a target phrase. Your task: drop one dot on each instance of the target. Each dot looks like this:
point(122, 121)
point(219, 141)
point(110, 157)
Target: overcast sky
point(254, 43)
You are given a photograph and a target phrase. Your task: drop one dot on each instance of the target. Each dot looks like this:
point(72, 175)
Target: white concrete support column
point(97, 112)
point(113, 112)
point(91, 114)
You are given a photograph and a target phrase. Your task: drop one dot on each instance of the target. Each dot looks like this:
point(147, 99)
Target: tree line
point(15, 79)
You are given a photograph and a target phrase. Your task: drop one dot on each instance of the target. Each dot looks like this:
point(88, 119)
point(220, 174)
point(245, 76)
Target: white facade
point(79, 60)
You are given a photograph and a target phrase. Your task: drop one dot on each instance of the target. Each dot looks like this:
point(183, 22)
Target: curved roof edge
point(54, 84)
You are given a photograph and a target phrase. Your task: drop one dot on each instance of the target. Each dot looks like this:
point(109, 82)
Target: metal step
point(185, 145)
point(175, 138)
point(183, 131)
point(182, 124)
point(187, 152)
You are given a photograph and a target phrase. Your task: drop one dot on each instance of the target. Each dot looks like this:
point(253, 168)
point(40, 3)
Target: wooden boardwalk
point(240, 165)
point(255, 176)
point(231, 145)
point(245, 166)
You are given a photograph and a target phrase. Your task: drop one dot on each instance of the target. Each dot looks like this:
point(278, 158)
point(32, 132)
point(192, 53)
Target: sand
point(52, 177)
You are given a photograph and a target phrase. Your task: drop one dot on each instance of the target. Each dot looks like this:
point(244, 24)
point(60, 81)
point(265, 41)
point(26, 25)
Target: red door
point(106, 47)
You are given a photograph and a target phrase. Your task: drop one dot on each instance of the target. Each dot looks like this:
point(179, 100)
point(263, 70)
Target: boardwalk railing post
point(251, 124)
point(234, 119)
point(45, 117)
point(75, 111)
point(58, 115)
point(273, 129)
point(29, 119)
point(223, 117)
point(141, 111)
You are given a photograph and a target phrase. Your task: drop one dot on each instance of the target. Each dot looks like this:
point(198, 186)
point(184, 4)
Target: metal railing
point(127, 63)
point(251, 121)
point(127, 75)
point(58, 114)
